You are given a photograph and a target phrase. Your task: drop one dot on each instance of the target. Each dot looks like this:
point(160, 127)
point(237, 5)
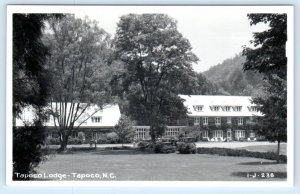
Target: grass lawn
point(267, 148)
point(134, 165)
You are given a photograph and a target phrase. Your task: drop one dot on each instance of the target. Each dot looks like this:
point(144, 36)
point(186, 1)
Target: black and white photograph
point(155, 94)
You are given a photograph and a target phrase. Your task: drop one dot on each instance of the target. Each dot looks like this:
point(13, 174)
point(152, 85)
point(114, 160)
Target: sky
point(215, 33)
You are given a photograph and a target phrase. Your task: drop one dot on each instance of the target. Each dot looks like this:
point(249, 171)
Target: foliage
point(186, 148)
point(74, 141)
point(142, 145)
point(156, 59)
point(27, 148)
point(80, 69)
point(124, 129)
point(81, 136)
point(269, 58)
point(30, 86)
point(163, 148)
point(53, 141)
point(242, 153)
point(231, 79)
point(112, 137)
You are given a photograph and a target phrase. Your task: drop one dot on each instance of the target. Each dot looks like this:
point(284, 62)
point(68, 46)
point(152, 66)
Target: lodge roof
point(208, 103)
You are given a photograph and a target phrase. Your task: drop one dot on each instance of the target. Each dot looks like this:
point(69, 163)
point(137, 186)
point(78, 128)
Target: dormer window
point(96, 119)
point(215, 108)
point(198, 108)
point(226, 108)
point(238, 108)
point(254, 109)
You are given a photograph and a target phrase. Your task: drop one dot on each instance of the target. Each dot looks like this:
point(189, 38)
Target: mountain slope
point(230, 77)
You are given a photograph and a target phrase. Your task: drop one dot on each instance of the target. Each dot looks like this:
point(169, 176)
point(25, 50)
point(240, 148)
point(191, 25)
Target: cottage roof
point(109, 114)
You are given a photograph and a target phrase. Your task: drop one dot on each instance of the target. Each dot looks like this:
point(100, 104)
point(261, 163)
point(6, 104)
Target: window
point(218, 120)
point(238, 108)
point(215, 108)
point(240, 121)
point(254, 109)
point(198, 108)
point(96, 119)
point(218, 133)
point(227, 108)
point(228, 120)
point(205, 121)
point(204, 133)
point(196, 120)
point(172, 132)
point(141, 133)
point(240, 134)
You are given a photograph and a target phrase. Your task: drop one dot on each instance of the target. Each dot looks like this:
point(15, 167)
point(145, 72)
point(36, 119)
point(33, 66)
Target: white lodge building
point(214, 118)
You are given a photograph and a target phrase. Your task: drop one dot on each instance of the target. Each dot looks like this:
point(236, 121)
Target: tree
point(157, 58)
point(30, 88)
point(79, 66)
point(268, 57)
point(29, 57)
point(124, 129)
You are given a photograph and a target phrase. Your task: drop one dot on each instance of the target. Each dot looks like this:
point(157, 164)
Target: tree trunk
point(63, 143)
point(278, 151)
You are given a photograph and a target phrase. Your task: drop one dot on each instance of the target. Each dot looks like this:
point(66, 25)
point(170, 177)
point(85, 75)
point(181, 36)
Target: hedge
point(242, 153)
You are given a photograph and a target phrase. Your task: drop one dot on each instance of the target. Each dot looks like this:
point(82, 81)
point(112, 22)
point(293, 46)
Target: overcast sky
point(215, 33)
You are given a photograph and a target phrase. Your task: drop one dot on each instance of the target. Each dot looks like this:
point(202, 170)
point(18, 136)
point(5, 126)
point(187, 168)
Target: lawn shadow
point(121, 152)
point(259, 163)
point(260, 175)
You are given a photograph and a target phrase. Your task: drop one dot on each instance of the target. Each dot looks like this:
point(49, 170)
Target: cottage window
point(96, 119)
point(172, 132)
point(141, 133)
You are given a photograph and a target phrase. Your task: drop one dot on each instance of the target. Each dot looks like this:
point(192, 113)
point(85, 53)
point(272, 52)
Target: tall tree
point(157, 58)
point(29, 56)
point(30, 88)
point(79, 65)
point(268, 57)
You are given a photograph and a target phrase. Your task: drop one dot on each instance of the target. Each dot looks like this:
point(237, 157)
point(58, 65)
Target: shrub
point(186, 148)
point(53, 141)
point(28, 152)
point(102, 139)
point(161, 147)
point(242, 153)
point(81, 136)
point(112, 138)
point(142, 145)
point(74, 141)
